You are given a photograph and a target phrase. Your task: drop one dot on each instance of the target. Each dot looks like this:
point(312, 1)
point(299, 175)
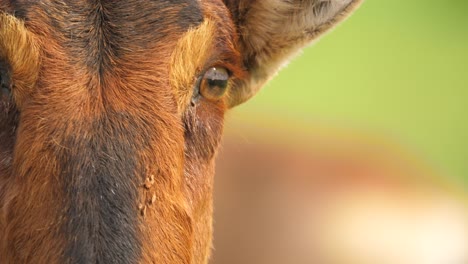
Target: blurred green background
point(398, 67)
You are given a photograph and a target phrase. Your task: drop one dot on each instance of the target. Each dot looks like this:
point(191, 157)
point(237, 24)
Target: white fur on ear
point(326, 10)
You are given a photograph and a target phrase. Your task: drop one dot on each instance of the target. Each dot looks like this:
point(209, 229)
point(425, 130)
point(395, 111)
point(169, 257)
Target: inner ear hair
point(273, 31)
point(19, 50)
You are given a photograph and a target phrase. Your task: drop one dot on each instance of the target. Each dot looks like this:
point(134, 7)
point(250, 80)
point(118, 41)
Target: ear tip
point(354, 4)
point(297, 28)
point(348, 10)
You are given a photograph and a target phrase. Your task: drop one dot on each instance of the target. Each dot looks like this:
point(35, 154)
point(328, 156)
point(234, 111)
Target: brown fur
point(19, 47)
point(105, 155)
point(197, 49)
point(191, 53)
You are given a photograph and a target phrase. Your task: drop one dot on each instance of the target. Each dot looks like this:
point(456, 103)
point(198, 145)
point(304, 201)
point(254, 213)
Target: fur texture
point(19, 50)
point(273, 31)
point(107, 148)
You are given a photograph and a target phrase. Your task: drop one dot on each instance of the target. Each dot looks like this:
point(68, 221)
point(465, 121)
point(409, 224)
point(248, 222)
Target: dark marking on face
point(101, 31)
point(5, 81)
point(190, 15)
point(202, 137)
point(7, 109)
point(8, 123)
point(99, 176)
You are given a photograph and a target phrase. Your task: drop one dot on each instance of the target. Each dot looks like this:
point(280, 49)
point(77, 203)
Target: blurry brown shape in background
point(346, 200)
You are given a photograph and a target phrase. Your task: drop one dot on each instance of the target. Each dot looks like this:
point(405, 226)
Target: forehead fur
point(19, 50)
point(212, 44)
point(191, 53)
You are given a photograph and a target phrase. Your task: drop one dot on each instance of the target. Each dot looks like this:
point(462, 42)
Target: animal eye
point(214, 83)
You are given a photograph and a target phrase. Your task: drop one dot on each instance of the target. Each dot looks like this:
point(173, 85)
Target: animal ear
point(273, 31)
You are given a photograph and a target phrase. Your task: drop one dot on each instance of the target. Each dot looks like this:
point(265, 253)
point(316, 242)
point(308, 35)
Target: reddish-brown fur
point(106, 149)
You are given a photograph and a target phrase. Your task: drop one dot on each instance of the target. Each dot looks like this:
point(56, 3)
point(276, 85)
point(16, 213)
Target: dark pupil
point(217, 78)
point(217, 83)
